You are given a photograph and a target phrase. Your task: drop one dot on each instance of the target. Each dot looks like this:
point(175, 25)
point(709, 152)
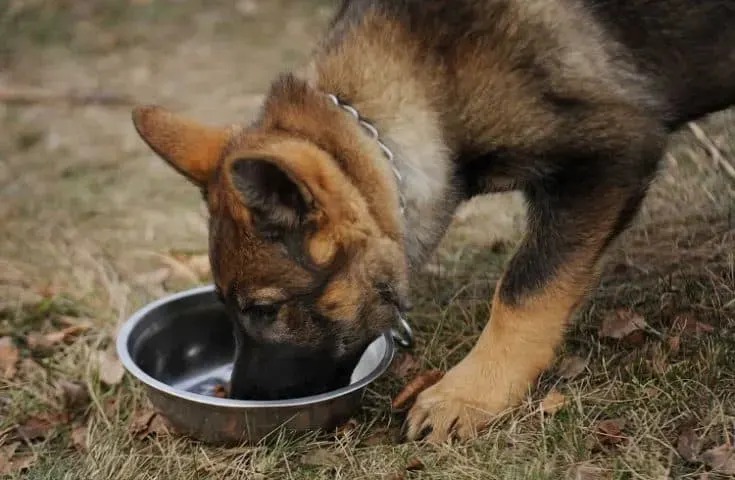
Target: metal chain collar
point(402, 333)
point(373, 133)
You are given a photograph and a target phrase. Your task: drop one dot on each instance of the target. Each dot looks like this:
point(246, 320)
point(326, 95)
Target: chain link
point(387, 153)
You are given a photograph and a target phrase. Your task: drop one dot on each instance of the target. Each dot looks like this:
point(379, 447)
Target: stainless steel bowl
point(180, 347)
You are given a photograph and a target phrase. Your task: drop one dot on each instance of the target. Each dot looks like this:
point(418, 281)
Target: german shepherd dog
point(323, 207)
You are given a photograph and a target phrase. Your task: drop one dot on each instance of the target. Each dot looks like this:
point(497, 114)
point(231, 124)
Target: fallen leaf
point(40, 426)
point(380, 437)
point(720, 459)
point(10, 463)
point(688, 324)
point(406, 366)
point(72, 395)
point(79, 437)
point(610, 431)
point(416, 386)
point(348, 427)
point(148, 423)
point(572, 366)
point(634, 339)
point(688, 445)
point(159, 426)
point(140, 423)
point(414, 465)
point(320, 457)
point(38, 341)
point(9, 356)
point(621, 323)
point(554, 401)
point(110, 369)
point(674, 343)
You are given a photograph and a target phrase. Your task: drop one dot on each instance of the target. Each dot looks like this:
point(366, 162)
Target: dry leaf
point(72, 394)
point(688, 445)
point(159, 426)
point(634, 339)
point(9, 356)
point(406, 366)
point(38, 427)
point(148, 423)
point(10, 463)
point(554, 401)
point(79, 437)
point(380, 437)
point(414, 465)
point(110, 369)
point(141, 421)
point(349, 426)
point(721, 459)
point(688, 324)
point(572, 366)
point(610, 431)
point(38, 341)
point(620, 323)
point(674, 343)
point(416, 386)
point(321, 457)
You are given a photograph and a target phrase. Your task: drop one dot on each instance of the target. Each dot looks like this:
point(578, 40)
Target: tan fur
point(517, 344)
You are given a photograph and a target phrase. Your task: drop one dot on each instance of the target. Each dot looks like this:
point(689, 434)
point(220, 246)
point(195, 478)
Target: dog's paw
point(460, 406)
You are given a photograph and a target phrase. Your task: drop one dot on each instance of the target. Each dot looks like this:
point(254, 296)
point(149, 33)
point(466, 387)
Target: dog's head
point(307, 272)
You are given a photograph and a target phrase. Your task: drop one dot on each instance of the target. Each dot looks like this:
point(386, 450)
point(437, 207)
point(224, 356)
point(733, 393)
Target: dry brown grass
point(85, 211)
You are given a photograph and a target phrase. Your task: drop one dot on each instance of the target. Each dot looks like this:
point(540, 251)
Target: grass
point(84, 208)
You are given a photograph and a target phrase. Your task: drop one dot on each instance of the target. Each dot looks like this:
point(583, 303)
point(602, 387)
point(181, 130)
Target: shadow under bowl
point(182, 346)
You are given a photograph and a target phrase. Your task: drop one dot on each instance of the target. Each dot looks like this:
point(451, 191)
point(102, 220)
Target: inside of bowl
point(188, 344)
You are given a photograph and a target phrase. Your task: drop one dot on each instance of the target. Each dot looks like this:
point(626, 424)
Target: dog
point(323, 207)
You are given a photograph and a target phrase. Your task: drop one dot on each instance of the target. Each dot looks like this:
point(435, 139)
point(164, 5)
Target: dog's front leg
point(573, 216)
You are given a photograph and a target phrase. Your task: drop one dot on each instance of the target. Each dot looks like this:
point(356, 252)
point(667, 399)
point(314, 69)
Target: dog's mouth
point(279, 371)
point(253, 381)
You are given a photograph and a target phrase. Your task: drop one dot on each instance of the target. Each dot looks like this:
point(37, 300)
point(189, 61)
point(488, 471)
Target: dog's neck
point(419, 163)
point(411, 132)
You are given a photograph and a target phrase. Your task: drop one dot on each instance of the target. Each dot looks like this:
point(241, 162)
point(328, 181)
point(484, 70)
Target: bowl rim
point(130, 365)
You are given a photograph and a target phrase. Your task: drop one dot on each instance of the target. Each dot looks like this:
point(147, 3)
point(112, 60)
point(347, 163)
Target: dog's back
point(687, 47)
point(675, 58)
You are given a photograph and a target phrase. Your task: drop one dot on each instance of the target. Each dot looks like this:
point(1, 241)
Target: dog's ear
point(191, 148)
point(277, 201)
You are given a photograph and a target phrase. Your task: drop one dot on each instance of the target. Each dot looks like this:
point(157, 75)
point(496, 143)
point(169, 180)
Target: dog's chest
point(427, 189)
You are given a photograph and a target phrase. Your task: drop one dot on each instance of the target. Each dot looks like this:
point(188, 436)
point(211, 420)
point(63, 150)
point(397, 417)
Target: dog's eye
point(264, 311)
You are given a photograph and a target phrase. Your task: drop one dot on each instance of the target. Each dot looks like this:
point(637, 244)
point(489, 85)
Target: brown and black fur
point(568, 101)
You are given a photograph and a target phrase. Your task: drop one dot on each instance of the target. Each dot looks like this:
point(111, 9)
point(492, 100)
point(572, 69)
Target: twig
point(713, 150)
point(32, 96)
